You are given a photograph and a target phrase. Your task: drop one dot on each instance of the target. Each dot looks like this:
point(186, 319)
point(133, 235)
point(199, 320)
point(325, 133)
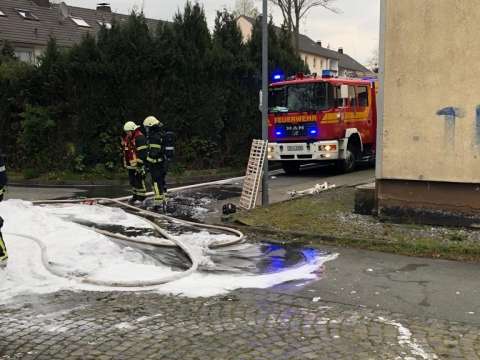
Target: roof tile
point(51, 24)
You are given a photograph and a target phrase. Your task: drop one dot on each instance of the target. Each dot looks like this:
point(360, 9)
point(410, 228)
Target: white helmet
point(151, 121)
point(130, 126)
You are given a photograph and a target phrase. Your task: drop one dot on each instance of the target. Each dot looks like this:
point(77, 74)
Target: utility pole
point(265, 99)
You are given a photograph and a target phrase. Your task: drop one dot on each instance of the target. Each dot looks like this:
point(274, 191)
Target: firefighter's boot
point(160, 203)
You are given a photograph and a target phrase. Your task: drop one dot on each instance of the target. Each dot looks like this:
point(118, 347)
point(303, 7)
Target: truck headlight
point(328, 147)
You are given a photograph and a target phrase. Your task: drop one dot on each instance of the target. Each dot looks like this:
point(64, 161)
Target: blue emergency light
point(278, 75)
point(328, 74)
point(313, 132)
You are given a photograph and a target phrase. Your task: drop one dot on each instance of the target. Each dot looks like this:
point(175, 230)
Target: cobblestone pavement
point(247, 324)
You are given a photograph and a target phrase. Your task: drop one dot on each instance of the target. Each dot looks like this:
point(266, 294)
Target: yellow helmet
point(130, 126)
point(151, 121)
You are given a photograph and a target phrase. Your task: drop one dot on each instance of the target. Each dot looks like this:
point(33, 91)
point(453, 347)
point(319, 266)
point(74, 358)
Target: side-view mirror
point(344, 91)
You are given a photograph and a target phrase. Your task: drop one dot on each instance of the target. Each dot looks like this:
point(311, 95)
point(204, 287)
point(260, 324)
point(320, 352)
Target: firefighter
point(156, 160)
point(134, 155)
point(3, 184)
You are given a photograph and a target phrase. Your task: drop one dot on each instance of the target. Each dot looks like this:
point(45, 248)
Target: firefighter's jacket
point(3, 176)
point(134, 150)
point(156, 151)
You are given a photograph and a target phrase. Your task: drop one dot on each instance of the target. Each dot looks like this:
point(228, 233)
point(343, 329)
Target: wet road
point(280, 185)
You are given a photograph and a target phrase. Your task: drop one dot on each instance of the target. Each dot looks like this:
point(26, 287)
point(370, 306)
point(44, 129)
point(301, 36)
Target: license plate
point(295, 130)
point(295, 148)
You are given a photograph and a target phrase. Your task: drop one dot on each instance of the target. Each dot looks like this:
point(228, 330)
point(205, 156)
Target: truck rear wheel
point(291, 167)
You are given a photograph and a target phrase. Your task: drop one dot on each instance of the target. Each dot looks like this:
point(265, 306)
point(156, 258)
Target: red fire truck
point(327, 119)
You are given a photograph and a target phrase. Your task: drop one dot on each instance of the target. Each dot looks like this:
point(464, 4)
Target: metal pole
point(265, 98)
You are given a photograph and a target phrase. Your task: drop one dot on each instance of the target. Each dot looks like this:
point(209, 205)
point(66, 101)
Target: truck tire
point(348, 164)
point(291, 167)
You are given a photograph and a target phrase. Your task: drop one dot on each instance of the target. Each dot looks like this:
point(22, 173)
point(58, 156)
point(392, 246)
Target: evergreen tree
point(191, 106)
point(202, 86)
point(7, 52)
point(15, 87)
point(234, 78)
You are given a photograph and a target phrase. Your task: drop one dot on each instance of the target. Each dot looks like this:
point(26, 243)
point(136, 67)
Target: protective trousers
point(137, 182)
point(157, 171)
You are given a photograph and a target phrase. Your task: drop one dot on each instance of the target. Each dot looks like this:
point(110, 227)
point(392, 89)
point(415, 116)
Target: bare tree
point(372, 62)
point(286, 7)
point(294, 11)
point(246, 8)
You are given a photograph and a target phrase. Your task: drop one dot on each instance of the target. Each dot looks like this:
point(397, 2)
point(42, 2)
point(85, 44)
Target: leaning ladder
point(253, 176)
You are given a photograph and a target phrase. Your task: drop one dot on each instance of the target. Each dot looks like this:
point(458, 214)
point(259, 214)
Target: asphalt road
point(437, 289)
point(280, 185)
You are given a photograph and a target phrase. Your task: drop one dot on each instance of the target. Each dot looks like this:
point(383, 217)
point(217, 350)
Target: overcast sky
point(355, 29)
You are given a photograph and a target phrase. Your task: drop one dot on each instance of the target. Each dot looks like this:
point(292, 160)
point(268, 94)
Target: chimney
point(104, 7)
point(44, 3)
point(340, 50)
point(63, 12)
point(319, 42)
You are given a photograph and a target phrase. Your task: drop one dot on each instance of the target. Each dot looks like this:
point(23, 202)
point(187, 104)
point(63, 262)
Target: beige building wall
point(315, 63)
point(318, 63)
point(431, 67)
point(246, 28)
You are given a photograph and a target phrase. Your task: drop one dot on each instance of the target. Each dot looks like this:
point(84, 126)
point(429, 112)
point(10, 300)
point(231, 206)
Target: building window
point(334, 64)
point(314, 62)
point(27, 14)
point(105, 23)
point(25, 55)
point(80, 22)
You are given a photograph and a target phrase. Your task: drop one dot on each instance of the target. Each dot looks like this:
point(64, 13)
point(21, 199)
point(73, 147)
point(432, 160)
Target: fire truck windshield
point(300, 97)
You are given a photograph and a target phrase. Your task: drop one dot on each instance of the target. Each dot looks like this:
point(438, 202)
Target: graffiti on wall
point(450, 115)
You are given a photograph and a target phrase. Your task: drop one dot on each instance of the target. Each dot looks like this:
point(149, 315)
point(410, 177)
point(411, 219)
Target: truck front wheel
point(348, 164)
point(291, 167)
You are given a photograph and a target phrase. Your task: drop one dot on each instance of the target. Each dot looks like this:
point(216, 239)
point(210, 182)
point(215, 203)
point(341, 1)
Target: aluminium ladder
point(253, 176)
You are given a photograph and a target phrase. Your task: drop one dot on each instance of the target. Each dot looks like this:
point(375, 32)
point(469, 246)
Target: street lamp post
point(265, 98)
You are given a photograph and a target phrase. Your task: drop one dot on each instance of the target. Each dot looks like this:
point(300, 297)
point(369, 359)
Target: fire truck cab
point(322, 119)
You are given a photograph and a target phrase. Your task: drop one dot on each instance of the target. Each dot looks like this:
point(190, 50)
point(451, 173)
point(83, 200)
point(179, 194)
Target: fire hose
point(168, 240)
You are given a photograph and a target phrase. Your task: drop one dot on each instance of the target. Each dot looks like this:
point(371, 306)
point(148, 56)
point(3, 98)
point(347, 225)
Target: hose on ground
point(119, 283)
point(169, 240)
point(216, 244)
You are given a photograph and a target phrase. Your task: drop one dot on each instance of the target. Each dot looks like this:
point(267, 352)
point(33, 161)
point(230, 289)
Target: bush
point(37, 138)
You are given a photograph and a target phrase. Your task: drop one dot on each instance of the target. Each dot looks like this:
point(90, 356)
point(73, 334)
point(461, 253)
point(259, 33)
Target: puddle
point(246, 258)
point(258, 258)
point(192, 205)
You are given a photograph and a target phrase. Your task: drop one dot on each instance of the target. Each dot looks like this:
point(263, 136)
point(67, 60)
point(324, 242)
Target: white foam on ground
point(405, 339)
point(77, 250)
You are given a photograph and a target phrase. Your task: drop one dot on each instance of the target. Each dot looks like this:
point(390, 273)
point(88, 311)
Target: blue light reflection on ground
point(278, 261)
